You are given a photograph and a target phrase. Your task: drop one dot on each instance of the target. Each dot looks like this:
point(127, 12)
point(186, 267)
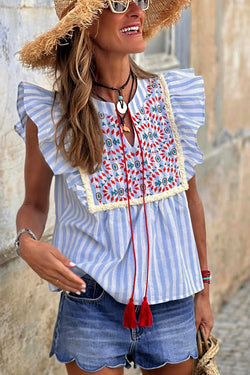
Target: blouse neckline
point(109, 107)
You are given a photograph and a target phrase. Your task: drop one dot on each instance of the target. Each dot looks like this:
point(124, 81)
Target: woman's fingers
point(67, 280)
point(62, 283)
point(67, 262)
point(66, 274)
point(203, 313)
point(207, 327)
point(51, 265)
point(63, 266)
point(57, 272)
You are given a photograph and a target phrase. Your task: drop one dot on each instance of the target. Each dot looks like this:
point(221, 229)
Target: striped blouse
point(92, 226)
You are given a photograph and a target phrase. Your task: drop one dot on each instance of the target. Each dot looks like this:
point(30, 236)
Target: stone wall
point(223, 182)
point(28, 311)
point(218, 52)
point(27, 318)
point(19, 22)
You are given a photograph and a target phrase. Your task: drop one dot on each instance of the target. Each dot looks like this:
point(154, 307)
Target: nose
point(134, 10)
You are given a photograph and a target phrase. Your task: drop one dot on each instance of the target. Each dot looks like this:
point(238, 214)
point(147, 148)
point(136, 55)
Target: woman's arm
point(33, 213)
point(203, 314)
point(43, 258)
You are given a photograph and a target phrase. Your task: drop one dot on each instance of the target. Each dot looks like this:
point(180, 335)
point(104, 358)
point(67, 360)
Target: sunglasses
point(122, 7)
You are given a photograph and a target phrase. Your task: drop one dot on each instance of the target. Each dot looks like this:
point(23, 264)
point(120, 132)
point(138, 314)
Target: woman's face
point(119, 33)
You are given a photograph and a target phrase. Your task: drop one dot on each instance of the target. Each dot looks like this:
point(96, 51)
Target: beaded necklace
point(121, 105)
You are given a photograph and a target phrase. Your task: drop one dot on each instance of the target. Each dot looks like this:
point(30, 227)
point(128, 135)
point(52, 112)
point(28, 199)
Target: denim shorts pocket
point(94, 292)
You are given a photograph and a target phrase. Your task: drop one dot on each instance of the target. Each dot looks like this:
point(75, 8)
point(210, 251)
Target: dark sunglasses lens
point(119, 7)
point(143, 4)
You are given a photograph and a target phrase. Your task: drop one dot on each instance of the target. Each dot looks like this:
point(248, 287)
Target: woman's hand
point(49, 263)
point(203, 312)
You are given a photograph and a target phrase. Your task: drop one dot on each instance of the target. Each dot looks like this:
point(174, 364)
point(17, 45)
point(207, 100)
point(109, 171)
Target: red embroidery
point(108, 184)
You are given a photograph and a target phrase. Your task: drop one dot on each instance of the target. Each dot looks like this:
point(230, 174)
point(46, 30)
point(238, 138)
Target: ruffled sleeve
point(188, 104)
point(36, 103)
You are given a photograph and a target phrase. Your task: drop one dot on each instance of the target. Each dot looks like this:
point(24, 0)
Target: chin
point(137, 49)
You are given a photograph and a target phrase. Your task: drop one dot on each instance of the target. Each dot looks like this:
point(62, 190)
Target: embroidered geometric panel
point(163, 161)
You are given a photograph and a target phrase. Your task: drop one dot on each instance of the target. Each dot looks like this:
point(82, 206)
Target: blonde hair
point(78, 133)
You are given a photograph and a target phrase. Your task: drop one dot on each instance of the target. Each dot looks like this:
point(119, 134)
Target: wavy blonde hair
point(78, 133)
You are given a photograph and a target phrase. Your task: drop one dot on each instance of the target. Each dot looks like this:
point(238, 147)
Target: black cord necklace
point(121, 105)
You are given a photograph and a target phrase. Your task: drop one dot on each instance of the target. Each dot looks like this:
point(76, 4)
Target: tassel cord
point(129, 208)
point(144, 202)
point(145, 319)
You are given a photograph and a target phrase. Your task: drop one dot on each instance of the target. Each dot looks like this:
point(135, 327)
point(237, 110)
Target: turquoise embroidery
point(162, 173)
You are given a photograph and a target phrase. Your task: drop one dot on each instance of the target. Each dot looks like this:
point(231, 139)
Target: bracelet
point(206, 276)
point(17, 242)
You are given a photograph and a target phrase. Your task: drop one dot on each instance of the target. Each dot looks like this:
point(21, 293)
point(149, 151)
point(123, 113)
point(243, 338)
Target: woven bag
point(207, 349)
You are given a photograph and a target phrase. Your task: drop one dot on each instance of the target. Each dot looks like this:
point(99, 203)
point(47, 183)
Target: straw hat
point(41, 52)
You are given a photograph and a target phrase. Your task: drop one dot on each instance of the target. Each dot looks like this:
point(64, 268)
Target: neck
point(113, 72)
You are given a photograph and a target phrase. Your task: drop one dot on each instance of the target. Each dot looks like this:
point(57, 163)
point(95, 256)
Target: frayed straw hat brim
point(41, 52)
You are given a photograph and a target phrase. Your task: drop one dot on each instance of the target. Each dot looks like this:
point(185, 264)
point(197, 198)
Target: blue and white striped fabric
point(99, 241)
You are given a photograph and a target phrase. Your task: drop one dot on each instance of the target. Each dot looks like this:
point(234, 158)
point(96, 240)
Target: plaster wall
point(16, 28)
point(219, 52)
point(27, 309)
point(223, 181)
point(27, 318)
point(204, 57)
point(235, 52)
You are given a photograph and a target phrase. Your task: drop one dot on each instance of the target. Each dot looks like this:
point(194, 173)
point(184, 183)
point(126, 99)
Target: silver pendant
point(122, 107)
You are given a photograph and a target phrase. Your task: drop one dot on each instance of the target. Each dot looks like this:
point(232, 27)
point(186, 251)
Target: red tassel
point(146, 319)
point(129, 320)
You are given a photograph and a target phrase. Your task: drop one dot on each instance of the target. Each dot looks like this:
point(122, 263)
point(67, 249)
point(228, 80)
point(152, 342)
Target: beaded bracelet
point(206, 276)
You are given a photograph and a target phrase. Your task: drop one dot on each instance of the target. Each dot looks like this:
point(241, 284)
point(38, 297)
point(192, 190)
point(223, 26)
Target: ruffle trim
point(36, 103)
point(187, 99)
point(175, 132)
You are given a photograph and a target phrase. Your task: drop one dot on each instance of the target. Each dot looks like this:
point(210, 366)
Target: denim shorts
point(89, 330)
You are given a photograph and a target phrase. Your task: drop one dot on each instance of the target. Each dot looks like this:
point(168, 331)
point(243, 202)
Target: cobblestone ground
point(232, 327)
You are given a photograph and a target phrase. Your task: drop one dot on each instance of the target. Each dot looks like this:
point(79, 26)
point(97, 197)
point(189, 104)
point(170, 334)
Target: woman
point(128, 249)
